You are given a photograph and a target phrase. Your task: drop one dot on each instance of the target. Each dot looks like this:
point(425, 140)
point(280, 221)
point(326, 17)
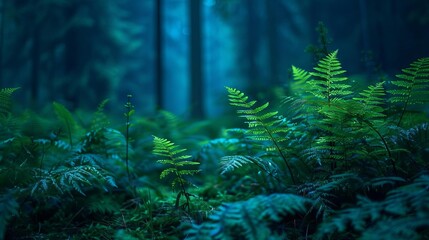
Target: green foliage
point(178, 166)
point(327, 82)
point(340, 121)
point(324, 41)
point(64, 180)
point(9, 124)
point(411, 87)
point(66, 119)
point(229, 163)
point(5, 101)
point(300, 77)
point(348, 141)
point(373, 101)
point(333, 162)
point(263, 125)
point(8, 209)
point(402, 215)
point(99, 119)
point(261, 217)
point(105, 204)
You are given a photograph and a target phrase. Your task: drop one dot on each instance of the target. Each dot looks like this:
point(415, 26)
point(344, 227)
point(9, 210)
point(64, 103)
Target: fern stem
point(404, 109)
point(182, 191)
point(129, 108)
point(281, 154)
point(265, 170)
point(70, 134)
point(127, 132)
point(385, 146)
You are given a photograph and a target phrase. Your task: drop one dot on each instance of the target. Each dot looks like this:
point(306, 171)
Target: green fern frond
point(255, 218)
point(66, 119)
point(327, 82)
point(400, 216)
point(100, 120)
point(67, 179)
point(301, 78)
point(230, 163)
point(166, 148)
point(178, 166)
point(6, 101)
point(263, 125)
point(373, 101)
point(412, 86)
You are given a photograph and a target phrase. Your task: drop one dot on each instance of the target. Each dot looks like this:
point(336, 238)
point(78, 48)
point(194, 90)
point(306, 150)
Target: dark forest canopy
point(179, 54)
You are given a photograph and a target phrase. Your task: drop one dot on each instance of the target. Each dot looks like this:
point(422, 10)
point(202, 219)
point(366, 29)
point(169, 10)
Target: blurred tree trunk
point(2, 18)
point(271, 24)
point(159, 78)
point(35, 67)
point(196, 73)
point(253, 42)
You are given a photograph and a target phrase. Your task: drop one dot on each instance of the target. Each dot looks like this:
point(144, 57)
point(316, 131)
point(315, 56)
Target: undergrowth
point(328, 162)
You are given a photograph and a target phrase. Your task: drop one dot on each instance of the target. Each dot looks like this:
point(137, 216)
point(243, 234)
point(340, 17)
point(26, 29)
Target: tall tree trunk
point(271, 22)
point(35, 65)
point(2, 11)
point(196, 72)
point(159, 77)
point(253, 41)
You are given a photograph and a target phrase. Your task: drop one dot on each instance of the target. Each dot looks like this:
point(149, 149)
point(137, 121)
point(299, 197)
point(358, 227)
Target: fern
point(327, 82)
point(66, 119)
point(66, 179)
point(5, 100)
point(100, 120)
point(269, 168)
point(255, 218)
point(10, 125)
point(178, 166)
point(263, 126)
point(326, 109)
point(301, 77)
point(372, 100)
point(414, 143)
point(8, 208)
point(402, 215)
point(326, 194)
point(412, 86)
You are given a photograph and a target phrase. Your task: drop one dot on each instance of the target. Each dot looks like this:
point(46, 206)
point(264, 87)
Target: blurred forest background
point(178, 55)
